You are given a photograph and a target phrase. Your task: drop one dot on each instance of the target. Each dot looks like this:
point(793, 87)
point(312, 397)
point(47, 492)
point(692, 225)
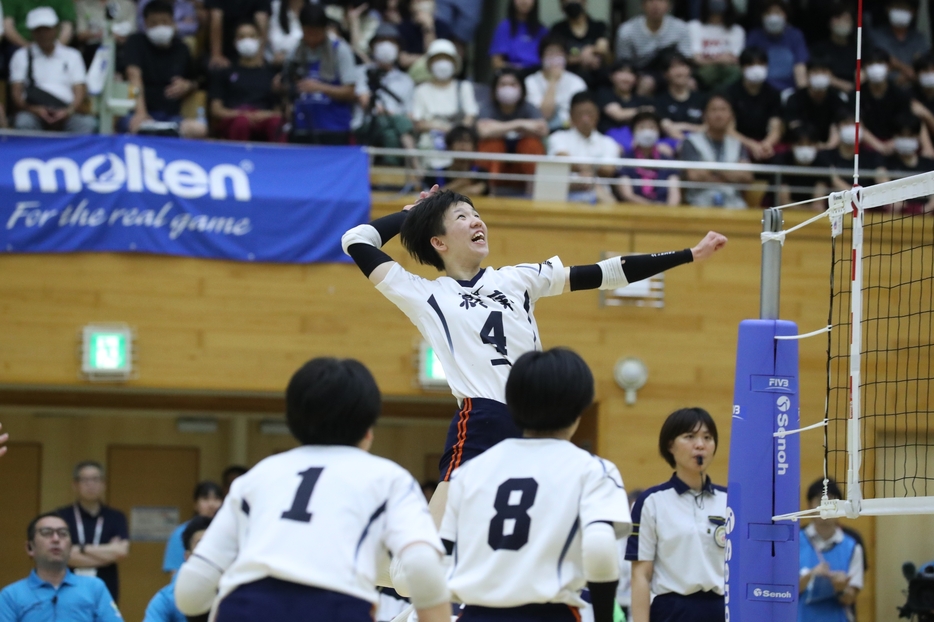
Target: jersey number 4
point(493, 334)
point(299, 510)
point(514, 498)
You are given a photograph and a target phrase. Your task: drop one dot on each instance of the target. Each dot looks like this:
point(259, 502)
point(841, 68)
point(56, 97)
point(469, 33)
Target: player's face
point(465, 235)
point(687, 447)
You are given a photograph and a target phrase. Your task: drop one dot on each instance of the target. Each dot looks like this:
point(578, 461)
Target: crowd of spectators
point(697, 82)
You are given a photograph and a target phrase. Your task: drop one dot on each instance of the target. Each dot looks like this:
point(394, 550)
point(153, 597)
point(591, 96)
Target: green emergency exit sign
point(107, 352)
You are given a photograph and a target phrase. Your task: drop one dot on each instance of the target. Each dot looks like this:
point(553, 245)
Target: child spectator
point(586, 40)
point(803, 152)
point(784, 44)
point(643, 39)
point(649, 185)
point(881, 103)
point(225, 16)
point(839, 51)
point(242, 97)
point(463, 139)
point(716, 43)
point(619, 104)
point(906, 158)
point(901, 39)
point(680, 107)
point(509, 124)
point(818, 105)
point(515, 41)
point(841, 160)
point(551, 88)
point(757, 107)
point(285, 30)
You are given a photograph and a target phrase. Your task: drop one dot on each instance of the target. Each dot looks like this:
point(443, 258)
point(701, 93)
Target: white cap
point(41, 16)
point(443, 46)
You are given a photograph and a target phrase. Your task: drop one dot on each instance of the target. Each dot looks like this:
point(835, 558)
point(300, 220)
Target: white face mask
point(842, 30)
point(773, 23)
point(848, 134)
point(819, 81)
point(385, 52)
point(646, 137)
point(247, 48)
point(900, 18)
point(756, 73)
point(926, 79)
point(442, 69)
point(160, 35)
point(555, 62)
point(508, 94)
point(906, 145)
point(877, 72)
point(804, 154)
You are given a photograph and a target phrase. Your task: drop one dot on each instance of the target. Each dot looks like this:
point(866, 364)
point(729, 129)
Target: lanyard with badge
point(98, 532)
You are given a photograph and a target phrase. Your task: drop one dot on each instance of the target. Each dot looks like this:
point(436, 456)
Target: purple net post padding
point(764, 477)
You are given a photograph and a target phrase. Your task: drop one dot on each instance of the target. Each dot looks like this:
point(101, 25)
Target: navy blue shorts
point(478, 425)
point(274, 599)
point(698, 607)
point(525, 613)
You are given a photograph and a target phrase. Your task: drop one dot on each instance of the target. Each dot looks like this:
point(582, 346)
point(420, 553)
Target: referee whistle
point(700, 460)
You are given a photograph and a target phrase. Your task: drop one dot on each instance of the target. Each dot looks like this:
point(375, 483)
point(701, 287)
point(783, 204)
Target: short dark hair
point(805, 131)
point(458, 133)
point(907, 122)
point(331, 401)
point(237, 469)
point(196, 524)
point(87, 463)
point(877, 55)
point(623, 65)
point(583, 97)
point(645, 115)
point(548, 391)
point(551, 40)
point(425, 221)
point(729, 16)
point(838, 8)
point(753, 56)
point(819, 62)
point(673, 58)
point(207, 488)
point(31, 527)
point(816, 490)
point(925, 61)
point(770, 4)
point(844, 113)
point(680, 422)
point(312, 16)
point(717, 95)
point(158, 7)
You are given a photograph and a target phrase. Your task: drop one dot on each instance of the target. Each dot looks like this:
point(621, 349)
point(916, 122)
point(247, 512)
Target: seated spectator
point(47, 80)
point(320, 78)
point(385, 96)
point(225, 16)
point(881, 103)
point(18, 33)
point(464, 139)
point(619, 104)
point(817, 105)
point(922, 104)
point(285, 30)
point(515, 41)
point(583, 140)
point(715, 144)
point(641, 40)
point(208, 498)
point(242, 97)
point(92, 20)
point(162, 607)
point(52, 591)
point(551, 88)
point(159, 66)
point(510, 124)
point(188, 18)
point(901, 39)
point(680, 106)
point(839, 51)
point(803, 151)
point(907, 158)
point(420, 30)
point(645, 185)
point(756, 106)
point(783, 44)
point(716, 43)
point(841, 160)
point(586, 41)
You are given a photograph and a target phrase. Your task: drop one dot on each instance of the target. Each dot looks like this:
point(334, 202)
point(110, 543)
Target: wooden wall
point(223, 326)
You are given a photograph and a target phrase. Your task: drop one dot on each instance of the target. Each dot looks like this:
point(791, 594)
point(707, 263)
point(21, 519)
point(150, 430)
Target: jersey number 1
point(517, 514)
point(299, 510)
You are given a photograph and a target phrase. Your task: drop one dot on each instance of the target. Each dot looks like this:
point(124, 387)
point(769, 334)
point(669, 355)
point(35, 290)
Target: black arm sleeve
point(389, 227)
point(367, 257)
point(603, 598)
point(586, 277)
point(635, 267)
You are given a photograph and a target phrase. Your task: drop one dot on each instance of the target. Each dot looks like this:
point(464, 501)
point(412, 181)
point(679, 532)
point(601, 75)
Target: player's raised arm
point(618, 272)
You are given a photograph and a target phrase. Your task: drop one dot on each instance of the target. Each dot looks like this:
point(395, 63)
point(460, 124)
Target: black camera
point(920, 601)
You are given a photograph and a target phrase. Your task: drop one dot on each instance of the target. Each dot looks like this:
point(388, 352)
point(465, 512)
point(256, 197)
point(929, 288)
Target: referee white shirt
point(683, 533)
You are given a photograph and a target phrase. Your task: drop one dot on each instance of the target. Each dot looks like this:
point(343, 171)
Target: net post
point(771, 277)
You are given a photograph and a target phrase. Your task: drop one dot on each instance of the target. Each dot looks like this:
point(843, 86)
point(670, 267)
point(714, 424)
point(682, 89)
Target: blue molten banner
point(177, 197)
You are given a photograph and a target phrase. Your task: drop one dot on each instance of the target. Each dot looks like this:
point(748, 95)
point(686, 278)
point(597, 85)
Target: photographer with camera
point(831, 564)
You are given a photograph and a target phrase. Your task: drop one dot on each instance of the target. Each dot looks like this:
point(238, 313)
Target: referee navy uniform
point(684, 534)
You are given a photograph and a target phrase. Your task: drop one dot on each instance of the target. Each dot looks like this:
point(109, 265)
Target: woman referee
point(679, 529)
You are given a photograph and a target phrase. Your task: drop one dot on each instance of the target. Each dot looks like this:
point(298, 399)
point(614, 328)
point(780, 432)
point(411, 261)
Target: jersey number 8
point(516, 514)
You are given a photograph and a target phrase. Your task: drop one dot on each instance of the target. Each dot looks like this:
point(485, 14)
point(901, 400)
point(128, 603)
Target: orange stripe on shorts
point(457, 452)
point(575, 612)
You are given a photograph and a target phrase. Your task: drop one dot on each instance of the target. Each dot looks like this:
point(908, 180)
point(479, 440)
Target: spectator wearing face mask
point(907, 158)
point(680, 107)
point(647, 186)
point(901, 39)
point(619, 104)
point(839, 50)
point(509, 124)
point(757, 107)
point(716, 43)
point(586, 39)
point(803, 152)
point(922, 103)
point(243, 98)
point(841, 160)
point(783, 44)
point(881, 103)
point(515, 41)
point(818, 104)
point(551, 88)
point(444, 101)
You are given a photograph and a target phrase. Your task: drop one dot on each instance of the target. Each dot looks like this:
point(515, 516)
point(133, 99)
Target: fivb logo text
point(140, 170)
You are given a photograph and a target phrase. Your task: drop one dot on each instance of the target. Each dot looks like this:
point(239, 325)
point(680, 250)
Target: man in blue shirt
point(784, 45)
point(52, 591)
point(162, 607)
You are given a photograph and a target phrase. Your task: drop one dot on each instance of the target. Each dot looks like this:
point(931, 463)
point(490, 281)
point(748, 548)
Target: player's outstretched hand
point(3, 439)
point(424, 194)
point(711, 243)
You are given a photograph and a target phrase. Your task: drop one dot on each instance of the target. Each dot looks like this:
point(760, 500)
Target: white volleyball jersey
point(318, 515)
point(477, 328)
point(515, 515)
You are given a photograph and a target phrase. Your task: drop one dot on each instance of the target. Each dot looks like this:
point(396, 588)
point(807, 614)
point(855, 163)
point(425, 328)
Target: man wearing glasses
point(52, 591)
